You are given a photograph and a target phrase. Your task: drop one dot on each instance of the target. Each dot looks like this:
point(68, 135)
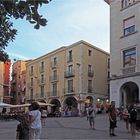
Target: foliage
point(18, 9)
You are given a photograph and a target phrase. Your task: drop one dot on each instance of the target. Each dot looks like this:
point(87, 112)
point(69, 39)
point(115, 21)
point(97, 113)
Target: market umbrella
point(21, 105)
point(45, 104)
point(4, 105)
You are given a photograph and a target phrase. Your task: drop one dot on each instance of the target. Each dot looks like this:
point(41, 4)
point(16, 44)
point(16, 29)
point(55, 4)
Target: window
point(54, 92)
point(108, 63)
point(89, 52)
point(31, 93)
point(42, 65)
point(31, 72)
point(31, 81)
point(70, 86)
point(70, 56)
point(55, 75)
point(90, 68)
point(55, 61)
point(42, 91)
point(129, 57)
point(70, 68)
point(90, 71)
point(42, 78)
point(90, 86)
point(129, 26)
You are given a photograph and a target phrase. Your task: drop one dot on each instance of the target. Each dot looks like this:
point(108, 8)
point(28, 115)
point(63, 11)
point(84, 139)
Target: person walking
point(133, 118)
point(112, 113)
point(126, 117)
point(35, 121)
point(91, 117)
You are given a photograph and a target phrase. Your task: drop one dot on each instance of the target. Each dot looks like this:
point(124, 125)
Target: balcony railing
point(54, 78)
point(30, 84)
point(41, 69)
point(42, 81)
point(54, 65)
point(31, 72)
point(69, 59)
point(90, 90)
point(54, 93)
point(68, 74)
point(69, 90)
point(90, 73)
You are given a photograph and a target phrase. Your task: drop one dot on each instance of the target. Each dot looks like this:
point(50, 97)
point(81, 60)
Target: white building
point(125, 51)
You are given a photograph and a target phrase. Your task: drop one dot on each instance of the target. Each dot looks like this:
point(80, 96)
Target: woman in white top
point(35, 122)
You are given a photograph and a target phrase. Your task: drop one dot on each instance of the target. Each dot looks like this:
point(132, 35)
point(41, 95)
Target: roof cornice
point(108, 1)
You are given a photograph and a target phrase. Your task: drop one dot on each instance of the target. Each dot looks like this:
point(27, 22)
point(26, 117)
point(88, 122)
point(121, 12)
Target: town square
point(69, 69)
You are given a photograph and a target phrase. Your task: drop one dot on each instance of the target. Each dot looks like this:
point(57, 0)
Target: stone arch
point(56, 106)
point(71, 101)
point(70, 106)
point(129, 93)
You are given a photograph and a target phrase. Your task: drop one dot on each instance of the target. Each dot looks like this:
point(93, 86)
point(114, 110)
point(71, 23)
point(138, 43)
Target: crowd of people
point(129, 114)
point(31, 122)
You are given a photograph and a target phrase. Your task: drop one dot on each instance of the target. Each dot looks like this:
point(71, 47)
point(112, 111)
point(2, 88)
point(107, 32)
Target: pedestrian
point(126, 117)
point(35, 121)
point(22, 128)
point(112, 113)
point(43, 116)
point(86, 112)
point(133, 118)
point(91, 117)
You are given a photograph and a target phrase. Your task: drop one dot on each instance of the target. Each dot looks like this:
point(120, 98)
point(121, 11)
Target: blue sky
point(68, 22)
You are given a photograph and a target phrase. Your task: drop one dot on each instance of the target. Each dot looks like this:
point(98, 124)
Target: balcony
point(54, 78)
point(69, 59)
point(69, 90)
point(128, 70)
point(90, 73)
point(69, 74)
point(90, 90)
point(42, 81)
point(41, 69)
point(31, 72)
point(54, 65)
point(30, 85)
point(54, 93)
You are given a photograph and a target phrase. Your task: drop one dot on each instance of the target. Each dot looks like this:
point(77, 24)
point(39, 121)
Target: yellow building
point(69, 77)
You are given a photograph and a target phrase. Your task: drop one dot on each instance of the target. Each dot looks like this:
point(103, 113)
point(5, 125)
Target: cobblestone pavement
point(71, 128)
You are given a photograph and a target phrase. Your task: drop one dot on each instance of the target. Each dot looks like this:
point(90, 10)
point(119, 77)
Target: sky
point(69, 21)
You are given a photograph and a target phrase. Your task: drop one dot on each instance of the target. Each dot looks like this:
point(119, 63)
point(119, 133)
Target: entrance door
point(129, 93)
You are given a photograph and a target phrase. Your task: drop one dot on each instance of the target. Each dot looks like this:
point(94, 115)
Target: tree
point(17, 9)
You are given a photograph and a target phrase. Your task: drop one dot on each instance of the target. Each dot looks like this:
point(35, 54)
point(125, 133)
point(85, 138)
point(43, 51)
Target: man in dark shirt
point(112, 113)
point(133, 118)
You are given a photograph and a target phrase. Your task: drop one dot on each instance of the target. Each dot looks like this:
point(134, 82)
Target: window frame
point(129, 53)
point(131, 29)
